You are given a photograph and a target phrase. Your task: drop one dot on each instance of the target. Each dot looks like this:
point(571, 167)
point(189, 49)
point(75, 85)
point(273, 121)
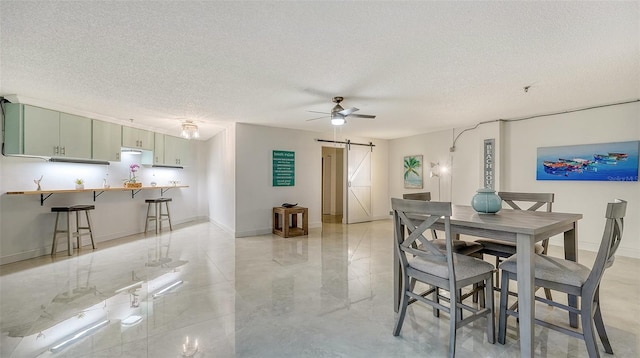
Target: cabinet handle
point(137, 141)
point(140, 144)
point(118, 156)
point(64, 151)
point(55, 149)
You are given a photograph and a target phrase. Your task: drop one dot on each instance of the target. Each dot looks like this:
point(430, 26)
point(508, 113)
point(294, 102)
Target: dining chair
point(574, 279)
point(459, 246)
point(463, 247)
point(424, 262)
point(503, 249)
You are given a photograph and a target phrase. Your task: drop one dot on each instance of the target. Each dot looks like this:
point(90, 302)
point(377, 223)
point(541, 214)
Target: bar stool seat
point(78, 233)
point(157, 215)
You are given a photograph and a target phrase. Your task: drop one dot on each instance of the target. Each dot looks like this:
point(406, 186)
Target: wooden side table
point(285, 221)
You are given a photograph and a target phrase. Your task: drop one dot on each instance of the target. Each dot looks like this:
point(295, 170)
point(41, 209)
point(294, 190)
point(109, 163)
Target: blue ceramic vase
point(486, 201)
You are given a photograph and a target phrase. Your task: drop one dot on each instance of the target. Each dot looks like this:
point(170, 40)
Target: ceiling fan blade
point(319, 112)
point(313, 119)
point(367, 116)
point(348, 111)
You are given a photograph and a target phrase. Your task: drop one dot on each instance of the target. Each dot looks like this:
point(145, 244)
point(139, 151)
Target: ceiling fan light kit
point(338, 114)
point(337, 120)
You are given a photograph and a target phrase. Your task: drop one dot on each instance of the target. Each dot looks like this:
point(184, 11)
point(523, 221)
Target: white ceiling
point(419, 66)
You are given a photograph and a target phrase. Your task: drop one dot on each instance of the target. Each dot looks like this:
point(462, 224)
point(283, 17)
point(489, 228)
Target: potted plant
point(79, 184)
point(132, 182)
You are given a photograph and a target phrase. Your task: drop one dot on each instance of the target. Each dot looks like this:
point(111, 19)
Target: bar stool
point(77, 234)
point(158, 216)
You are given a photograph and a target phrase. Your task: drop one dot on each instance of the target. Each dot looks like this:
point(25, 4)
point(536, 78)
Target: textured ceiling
point(419, 66)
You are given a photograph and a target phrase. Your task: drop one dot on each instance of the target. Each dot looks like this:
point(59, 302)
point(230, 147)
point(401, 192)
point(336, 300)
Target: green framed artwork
point(413, 172)
point(284, 168)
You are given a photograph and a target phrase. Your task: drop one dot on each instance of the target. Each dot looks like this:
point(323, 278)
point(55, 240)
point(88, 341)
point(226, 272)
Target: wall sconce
point(190, 130)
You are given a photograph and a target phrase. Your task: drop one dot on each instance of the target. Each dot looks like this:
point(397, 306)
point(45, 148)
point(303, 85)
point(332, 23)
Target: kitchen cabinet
point(36, 131)
point(107, 141)
point(177, 151)
point(137, 138)
point(158, 151)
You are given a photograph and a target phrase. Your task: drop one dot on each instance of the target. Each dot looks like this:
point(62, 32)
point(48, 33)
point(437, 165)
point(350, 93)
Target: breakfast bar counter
point(45, 194)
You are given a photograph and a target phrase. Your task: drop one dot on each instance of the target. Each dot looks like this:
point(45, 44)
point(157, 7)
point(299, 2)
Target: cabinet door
point(158, 149)
point(145, 139)
point(41, 131)
point(130, 137)
point(75, 136)
point(176, 151)
point(107, 139)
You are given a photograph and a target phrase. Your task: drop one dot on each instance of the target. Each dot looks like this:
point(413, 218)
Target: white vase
point(79, 186)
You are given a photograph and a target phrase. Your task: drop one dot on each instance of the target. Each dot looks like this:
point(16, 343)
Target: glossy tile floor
point(325, 295)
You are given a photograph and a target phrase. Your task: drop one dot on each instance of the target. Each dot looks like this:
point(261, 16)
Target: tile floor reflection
point(325, 295)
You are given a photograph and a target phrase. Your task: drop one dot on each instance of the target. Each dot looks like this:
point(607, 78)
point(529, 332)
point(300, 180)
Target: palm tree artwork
point(413, 172)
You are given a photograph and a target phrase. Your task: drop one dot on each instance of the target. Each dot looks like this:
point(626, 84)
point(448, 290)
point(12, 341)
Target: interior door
point(358, 184)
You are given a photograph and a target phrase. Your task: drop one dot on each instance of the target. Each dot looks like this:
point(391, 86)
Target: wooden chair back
point(538, 200)
point(418, 217)
point(610, 241)
point(425, 196)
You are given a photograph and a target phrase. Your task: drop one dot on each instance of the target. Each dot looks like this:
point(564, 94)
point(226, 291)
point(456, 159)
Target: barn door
point(358, 184)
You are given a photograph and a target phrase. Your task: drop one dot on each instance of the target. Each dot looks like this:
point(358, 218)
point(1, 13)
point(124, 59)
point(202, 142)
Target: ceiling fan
point(338, 114)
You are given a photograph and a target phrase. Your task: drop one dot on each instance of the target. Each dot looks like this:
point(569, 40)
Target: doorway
point(332, 184)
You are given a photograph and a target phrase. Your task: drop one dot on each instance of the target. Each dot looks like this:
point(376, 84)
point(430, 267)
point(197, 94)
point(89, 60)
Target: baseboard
point(62, 244)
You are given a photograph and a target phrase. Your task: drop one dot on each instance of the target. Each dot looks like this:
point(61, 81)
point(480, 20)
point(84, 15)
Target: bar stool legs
point(78, 233)
point(158, 216)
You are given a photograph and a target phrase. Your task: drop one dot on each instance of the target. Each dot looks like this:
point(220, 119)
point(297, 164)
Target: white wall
point(434, 147)
point(611, 124)
point(26, 227)
point(517, 144)
point(255, 195)
point(220, 171)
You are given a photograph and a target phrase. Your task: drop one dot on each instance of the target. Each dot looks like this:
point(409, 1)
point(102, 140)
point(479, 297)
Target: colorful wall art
point(600, 162)
point(413, 172)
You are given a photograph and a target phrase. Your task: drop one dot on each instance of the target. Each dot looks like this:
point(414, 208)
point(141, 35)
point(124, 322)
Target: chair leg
point(436, 298)
point(54, 246)
point(404, 302)
point(69, 245)
point(587, 328)
point(597, 318)
point(166, 203)
point(458, 297)
point(93, 243)
point(502, 316)
point(78, 238)
point(488, 298)
point(146, 222)
point(453, 320)
point(497, 272)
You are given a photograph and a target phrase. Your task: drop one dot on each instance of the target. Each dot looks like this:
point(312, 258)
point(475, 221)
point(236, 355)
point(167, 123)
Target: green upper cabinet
point(137, 138)
point(107, 140)
point(37, 131)
point(158, 151)
point(177, 151)
point(75, 136)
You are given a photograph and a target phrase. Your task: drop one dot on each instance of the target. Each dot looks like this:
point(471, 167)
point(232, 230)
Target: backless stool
point(78, 233)
point(158, 216)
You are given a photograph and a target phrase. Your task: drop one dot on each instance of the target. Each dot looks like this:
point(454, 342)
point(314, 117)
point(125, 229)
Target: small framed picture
point(413, 172)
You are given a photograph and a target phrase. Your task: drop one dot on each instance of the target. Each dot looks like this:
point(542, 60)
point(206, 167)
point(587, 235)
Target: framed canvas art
point(413, 172)
point(601, 162)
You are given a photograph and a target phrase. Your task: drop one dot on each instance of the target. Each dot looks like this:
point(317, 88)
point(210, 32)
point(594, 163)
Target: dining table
point(524, 228)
